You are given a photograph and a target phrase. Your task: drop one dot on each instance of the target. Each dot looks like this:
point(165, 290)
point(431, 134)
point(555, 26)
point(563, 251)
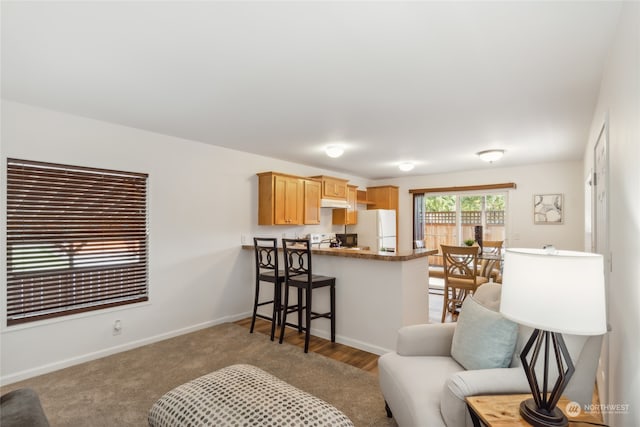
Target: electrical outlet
point(243, 239)
point(117, 327)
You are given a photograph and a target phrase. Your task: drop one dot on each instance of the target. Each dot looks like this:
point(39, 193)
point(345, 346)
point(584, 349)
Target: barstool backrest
point(297, 257)
point(266, 250)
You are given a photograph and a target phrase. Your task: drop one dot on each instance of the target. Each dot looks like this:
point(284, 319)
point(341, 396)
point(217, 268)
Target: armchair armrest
point(433, 339)
point(476, 383)
point(488, 381)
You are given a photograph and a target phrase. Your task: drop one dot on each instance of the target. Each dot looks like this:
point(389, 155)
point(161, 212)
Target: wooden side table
point(504, 410)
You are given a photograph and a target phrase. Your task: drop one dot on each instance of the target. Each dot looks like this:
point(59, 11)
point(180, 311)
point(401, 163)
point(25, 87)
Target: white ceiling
point(429, 82)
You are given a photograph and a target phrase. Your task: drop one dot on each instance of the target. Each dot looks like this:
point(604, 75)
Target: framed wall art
point(548, 209)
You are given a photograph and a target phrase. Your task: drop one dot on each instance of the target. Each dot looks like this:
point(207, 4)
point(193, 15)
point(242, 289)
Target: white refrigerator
point(376, 228)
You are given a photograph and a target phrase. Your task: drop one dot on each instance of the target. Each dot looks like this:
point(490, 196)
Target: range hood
point(333, 203)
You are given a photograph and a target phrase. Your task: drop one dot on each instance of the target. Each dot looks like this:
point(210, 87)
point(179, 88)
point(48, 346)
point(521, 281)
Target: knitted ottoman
point(242, 395)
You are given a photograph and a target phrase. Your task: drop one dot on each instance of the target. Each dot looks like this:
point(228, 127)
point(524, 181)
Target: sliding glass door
point(440, 222)
point(486, 211)
point(458, 219)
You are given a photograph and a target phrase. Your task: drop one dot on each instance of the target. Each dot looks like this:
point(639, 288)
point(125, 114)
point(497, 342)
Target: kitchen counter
point(380, 256)
point(376, 294)
point(367, 254)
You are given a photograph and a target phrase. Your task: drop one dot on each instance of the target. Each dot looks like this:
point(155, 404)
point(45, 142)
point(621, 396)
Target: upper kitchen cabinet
point(280, 199)
point(361, 198)
point(349, 215)
point(287, 199)
point(312, 190)
point(384, 197)
point(333, 188)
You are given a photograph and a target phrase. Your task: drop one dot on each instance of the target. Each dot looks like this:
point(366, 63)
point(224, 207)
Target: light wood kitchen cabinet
point(384, 197)
point(361, 198)
point(333, 188)
point(312, 191)
point(280, 199)
point(347, 216)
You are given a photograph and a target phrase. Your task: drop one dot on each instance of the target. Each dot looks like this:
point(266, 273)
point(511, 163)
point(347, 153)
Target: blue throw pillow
point(483, 338)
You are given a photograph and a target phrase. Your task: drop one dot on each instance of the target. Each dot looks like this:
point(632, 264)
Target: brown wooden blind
point(76, 239)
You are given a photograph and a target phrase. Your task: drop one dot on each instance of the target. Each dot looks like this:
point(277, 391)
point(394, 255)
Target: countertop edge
point(381, 256)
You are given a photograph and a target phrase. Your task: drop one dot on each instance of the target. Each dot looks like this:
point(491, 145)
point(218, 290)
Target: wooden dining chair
point(490, 268)
point(460, 276)
point(493, 247)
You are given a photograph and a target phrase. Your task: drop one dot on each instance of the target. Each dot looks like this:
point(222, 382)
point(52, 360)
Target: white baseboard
point(360, 345)
point(61, 364)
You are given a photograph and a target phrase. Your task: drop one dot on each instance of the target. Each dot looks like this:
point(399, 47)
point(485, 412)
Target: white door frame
point(600, 240)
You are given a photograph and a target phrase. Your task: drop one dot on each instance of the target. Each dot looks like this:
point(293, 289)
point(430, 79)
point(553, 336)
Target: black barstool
point(298, 274)
point(266, 251)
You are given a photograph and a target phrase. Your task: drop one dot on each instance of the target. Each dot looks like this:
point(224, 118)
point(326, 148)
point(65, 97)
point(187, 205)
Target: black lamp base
point(541, 411)
point(538, 417)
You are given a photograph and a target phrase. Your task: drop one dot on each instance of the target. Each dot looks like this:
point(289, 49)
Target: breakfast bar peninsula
point(376, 294)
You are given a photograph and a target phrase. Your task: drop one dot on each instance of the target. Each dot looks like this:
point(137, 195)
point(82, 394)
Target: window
point(76, 239)
point(452, 216)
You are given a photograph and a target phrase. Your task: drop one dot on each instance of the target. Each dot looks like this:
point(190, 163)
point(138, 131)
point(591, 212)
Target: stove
point(322, 240)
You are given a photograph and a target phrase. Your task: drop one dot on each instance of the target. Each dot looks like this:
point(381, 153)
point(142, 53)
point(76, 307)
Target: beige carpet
point(119, 390)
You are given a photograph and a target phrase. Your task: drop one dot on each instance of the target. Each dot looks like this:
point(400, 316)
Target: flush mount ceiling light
point(334, 151)
point(490, 156)
point(406, 166)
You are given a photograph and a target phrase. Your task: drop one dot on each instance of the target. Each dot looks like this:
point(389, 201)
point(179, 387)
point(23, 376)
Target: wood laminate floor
point(340, 352)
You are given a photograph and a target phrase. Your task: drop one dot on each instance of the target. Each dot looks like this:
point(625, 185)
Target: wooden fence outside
point(467, 217)
point(440, 229)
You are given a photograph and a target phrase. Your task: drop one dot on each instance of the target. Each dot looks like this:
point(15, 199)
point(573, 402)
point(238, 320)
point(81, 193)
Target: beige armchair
point(423, 385)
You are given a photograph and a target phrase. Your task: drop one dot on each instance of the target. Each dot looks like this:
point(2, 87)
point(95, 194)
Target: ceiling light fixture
point(334, 151)
point(406, 166)
point(490, 156)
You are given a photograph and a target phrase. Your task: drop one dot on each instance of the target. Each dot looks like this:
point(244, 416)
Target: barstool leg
point(278, 301)
point(307, 323)
point(333, 313)
point(255, 306)
point(276, 309)
point(284, 312)
point(300, 309)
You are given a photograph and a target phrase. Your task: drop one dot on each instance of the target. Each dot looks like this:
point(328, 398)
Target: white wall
point(565, 178)
point(620, 100)
point(202, 198)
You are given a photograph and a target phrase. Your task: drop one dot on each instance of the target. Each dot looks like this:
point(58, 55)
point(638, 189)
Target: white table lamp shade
point(560, 292)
